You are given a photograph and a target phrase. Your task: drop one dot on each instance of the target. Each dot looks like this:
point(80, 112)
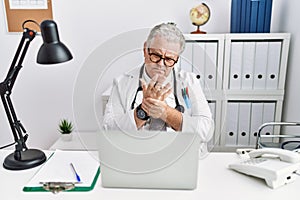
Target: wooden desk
point(216, 181)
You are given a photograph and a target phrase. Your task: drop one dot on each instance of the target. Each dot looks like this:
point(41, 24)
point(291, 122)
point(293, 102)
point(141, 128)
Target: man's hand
point(154, 95)
point(155, 108)
point(159, 109)
point(155, 89)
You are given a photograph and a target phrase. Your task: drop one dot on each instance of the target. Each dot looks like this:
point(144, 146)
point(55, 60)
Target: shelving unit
point(243, 70)
point(249, 83)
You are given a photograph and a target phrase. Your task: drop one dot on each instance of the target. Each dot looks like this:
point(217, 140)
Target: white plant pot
point(66, 137)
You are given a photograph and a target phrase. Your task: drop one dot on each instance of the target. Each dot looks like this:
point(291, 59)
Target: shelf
point(259, 58)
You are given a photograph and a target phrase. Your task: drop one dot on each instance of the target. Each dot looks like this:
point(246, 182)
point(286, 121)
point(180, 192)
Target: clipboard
point(57, 175)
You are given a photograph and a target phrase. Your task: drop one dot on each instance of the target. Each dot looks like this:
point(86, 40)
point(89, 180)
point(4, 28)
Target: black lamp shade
point(52, 51)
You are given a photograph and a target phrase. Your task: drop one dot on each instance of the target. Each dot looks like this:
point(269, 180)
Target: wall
point(44, 95)
point(288, 23)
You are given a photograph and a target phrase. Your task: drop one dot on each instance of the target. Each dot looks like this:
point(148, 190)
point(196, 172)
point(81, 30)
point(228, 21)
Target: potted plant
point(66, 128)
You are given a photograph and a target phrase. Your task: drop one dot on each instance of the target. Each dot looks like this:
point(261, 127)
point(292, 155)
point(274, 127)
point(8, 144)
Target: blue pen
point(187, 101)
point(186, 98)
point(77, 176)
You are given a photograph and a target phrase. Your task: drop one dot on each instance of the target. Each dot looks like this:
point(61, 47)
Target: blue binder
point(254, 16)
point(268, 14)
point(247, 16)
point(235, 16)
point(261, 16)
point(243, 16)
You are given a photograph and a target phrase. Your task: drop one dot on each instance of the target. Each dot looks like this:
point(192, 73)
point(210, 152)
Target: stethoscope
point(178, 107)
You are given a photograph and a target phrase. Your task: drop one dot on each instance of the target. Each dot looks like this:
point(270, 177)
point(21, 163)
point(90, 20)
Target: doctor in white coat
point(158, 96)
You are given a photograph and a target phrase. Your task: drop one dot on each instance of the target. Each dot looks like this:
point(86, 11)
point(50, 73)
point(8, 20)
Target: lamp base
point(29, 158)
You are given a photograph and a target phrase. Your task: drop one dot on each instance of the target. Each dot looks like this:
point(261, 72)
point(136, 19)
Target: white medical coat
point(120, 116)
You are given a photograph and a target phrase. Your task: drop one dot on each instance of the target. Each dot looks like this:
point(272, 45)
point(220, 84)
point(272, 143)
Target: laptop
point(148, 159)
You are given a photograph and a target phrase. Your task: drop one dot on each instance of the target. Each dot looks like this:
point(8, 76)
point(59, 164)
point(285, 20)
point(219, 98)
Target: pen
point(187, 91)
point(77, 176)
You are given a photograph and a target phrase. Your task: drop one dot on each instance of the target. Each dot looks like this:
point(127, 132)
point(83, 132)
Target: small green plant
point(65, 126)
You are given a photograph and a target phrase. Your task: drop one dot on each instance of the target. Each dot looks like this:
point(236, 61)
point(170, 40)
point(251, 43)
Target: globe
point(199, 15)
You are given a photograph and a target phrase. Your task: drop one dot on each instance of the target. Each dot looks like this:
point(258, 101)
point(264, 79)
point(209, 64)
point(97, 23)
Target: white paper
point(28, 4)
point(58, 168)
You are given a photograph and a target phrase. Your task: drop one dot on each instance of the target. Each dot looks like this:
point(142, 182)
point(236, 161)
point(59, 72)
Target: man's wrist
point(141, 113)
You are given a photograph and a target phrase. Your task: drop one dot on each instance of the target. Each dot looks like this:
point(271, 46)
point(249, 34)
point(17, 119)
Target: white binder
point(212, 106)
point(248, 65)
point(186, 58)
point(236, 61)
point(260, 70)
point(244, 124)
point(256, 121)
point(268, 116)
point(232, 121)
point(211, 49)
point(274, 53)
point(199, 60)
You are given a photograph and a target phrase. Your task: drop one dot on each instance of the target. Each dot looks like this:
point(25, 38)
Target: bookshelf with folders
point(243, 78)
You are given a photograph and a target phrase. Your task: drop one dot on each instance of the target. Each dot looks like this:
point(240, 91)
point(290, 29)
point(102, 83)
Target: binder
point(232, 121)
point(236, 65)
point(187, 58)
point(268, 116)
point(261, 16)
point(274, 53)
point(244, 124)
point(268, 14)
point(254, 16)
point(212, 106)
point(58, 169)
point(248, 65)
point(256, 121)
point(199, 60)
point(211, 49)
point(261, 58)
point(243, 16)
point(235, 16)
point(248, 16)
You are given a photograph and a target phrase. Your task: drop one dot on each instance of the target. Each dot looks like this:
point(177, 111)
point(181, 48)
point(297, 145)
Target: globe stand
point(198, 30)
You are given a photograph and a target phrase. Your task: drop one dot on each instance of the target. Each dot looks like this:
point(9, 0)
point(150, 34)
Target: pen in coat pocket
point(185, 97)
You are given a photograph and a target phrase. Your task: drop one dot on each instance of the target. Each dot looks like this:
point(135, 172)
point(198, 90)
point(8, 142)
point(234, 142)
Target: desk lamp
point(51, 52)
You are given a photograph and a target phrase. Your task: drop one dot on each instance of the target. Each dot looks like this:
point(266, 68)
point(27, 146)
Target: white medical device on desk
point(277, 166)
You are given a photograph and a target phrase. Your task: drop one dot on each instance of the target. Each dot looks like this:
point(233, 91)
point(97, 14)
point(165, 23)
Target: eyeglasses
point(156, 58)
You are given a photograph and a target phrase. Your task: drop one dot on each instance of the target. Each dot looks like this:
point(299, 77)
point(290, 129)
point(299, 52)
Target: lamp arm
point(6, 88)
point(28, 36)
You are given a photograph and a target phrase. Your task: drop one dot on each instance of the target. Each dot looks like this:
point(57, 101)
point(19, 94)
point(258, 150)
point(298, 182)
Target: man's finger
point(153, 82)
point(144, 84)
point(166, 94)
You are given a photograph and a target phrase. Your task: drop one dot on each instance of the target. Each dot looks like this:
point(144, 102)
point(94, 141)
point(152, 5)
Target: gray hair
point(168, 31)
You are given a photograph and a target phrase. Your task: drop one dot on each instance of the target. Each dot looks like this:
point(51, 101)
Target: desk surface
point(216, 181)
point(80, 141)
